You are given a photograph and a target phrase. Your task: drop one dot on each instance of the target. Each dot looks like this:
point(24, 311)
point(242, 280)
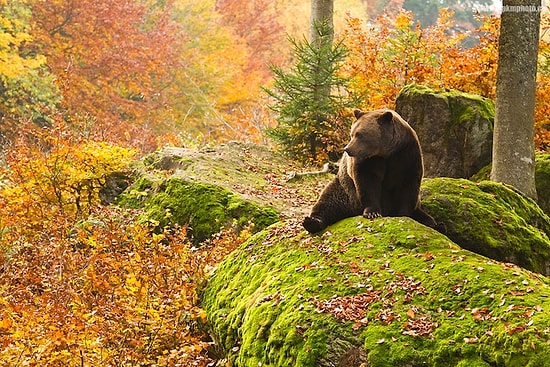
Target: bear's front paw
point(313, 225)
point(370, 214)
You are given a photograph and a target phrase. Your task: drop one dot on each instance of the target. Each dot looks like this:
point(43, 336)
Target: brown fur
point(379, 175)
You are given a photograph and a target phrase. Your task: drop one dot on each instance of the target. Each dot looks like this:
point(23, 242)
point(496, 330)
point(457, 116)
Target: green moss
point(464, 107)
point(203, 207)
point(449, 307)
point(490, 219)
point(542, 180)
point(136, 195)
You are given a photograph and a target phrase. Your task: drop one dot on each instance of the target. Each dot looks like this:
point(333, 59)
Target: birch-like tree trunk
point(513, 145)
point(322, 11)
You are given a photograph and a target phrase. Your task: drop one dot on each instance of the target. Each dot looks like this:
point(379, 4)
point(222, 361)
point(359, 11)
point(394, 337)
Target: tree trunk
point(321, 37)
point(321, 12)
point(513, 145)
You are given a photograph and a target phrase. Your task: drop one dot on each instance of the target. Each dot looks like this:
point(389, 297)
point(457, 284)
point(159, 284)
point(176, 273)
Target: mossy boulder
point(490, 219)
point(205, 208)
point(253, 171)
point(387, 292)
point(542, 181)
point(455, 129)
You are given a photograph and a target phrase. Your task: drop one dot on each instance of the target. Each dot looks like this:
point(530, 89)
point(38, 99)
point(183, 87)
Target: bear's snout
point(350, 150)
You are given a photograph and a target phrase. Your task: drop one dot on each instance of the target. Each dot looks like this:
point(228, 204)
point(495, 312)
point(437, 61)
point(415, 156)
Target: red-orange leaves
point(112, 60)
point(398, 52)
point(349, 308)
point(106, 291)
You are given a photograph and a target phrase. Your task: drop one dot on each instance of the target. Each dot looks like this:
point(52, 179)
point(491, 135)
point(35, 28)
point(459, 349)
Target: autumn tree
point(321, 36)
point(83, 284)
point(397, 51)
point(257, 24)
point(542, 111)
point(112, 61)
point(27, 89)
point(513, 144)
point(322, 12)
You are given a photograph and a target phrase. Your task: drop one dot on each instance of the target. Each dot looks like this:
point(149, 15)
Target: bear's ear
point(386, 117)
point(358, 113)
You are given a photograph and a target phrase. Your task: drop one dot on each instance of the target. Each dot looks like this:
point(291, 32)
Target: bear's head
point(377, 134)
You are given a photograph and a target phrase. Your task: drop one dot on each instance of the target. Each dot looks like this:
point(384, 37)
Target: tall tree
point(322, 11)
point(27, 88)
point(321, 35)
point(513, 142)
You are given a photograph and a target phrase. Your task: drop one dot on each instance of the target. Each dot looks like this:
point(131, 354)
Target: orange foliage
point(105, 291)
point(542, 111)
point(383, 60)
point(257, 24)
point(112, 60)
point(86, 285)
point(51, 173)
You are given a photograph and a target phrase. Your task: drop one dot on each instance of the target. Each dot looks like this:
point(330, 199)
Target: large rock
point(384, 292)
point(225, 186)
point(204, 208)
point(455, 129)
point(490, 219)
point(542, 181)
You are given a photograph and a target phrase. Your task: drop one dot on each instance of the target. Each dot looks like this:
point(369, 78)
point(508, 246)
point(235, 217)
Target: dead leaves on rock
point(349, 308)
point(355, 308)
point(419, 326)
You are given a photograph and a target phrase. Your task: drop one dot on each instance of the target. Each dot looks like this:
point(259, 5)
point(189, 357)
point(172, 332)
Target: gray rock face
point(455, 129)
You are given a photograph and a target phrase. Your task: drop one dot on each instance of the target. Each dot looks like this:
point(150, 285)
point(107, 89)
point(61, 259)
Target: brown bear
point(380, 174)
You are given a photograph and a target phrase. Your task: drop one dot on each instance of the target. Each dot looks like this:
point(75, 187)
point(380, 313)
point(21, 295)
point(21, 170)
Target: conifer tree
point(313, 126)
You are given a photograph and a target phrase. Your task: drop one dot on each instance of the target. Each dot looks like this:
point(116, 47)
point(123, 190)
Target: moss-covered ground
point(229, 186)
point(387, 292)
point(254, 171)
point(542, 179)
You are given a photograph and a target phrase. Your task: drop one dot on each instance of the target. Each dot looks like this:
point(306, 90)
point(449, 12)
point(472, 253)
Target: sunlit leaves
point(51, 174)
point(228, 45)
point(399, 52)
point(28, 89)
point(112, 61)
point(112, 293)
point(85, 284)
point(542, 111)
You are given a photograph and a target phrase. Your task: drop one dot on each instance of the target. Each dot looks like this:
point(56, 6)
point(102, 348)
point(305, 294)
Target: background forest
point(87, 87)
